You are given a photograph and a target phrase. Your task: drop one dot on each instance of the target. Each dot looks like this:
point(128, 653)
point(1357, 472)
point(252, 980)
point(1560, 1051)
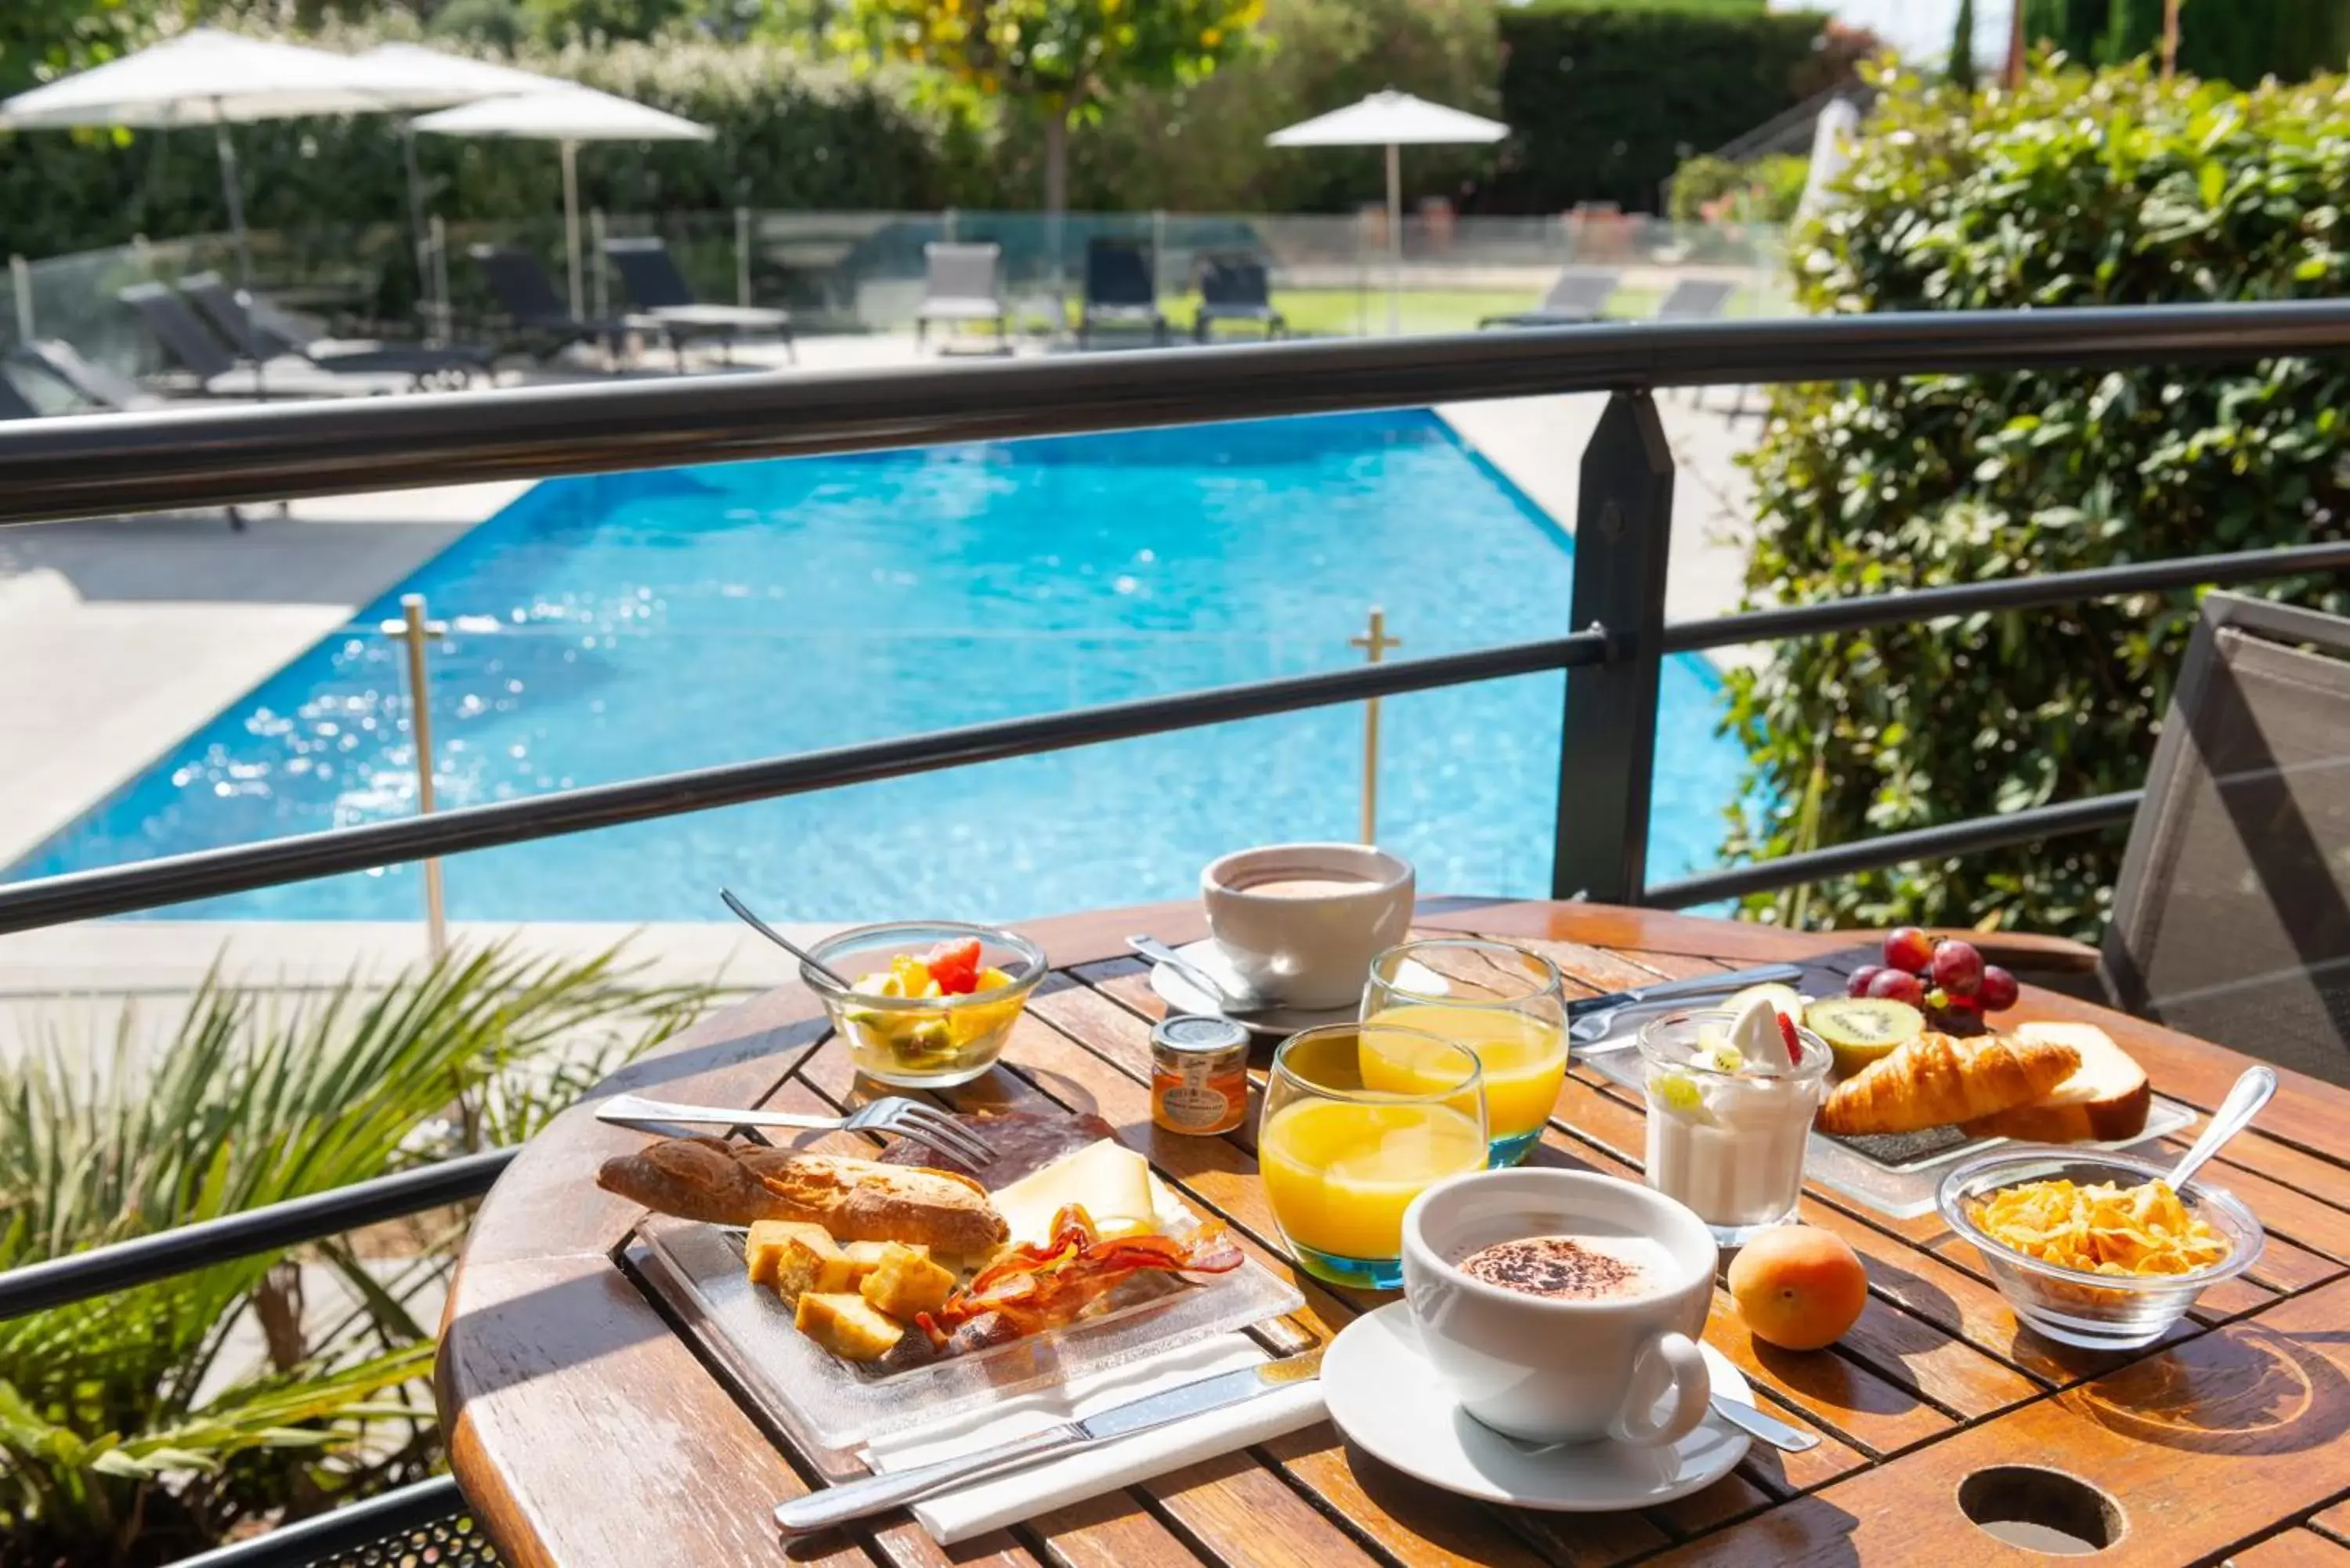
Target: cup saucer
point(1208, 953)
point(1387, 1398)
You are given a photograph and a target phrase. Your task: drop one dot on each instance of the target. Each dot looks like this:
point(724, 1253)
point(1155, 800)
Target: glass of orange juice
point(1358, 1120)
point(1502, 1003)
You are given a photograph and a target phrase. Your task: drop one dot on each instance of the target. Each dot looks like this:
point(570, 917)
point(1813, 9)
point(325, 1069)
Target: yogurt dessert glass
point(1729, 1114)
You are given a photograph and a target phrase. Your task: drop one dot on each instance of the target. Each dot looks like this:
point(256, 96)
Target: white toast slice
point(2106, 1099)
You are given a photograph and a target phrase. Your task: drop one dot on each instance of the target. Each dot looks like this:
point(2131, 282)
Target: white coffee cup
point(1549, 1370)
point(1310, 949)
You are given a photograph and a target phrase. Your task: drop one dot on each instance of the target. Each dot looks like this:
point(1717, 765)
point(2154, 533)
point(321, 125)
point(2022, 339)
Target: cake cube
point(762, 1253)
point(906, 1282)
point(848, 1326)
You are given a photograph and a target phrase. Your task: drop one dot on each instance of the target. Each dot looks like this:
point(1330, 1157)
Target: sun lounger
point(1236, 288)
point(1120, 290)
point(215, 369)
point(1577, 295)
point(268, 333)
point(49, 376)
point(14, 402)
point(665, 302)
point(542, 322)
point(60, 364)
point(963, 283)
point(1696, 300)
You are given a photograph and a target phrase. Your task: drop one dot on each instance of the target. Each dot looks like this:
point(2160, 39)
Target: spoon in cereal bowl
point(2249, 1093)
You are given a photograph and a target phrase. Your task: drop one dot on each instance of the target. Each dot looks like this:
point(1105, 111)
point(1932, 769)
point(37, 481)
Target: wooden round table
point(587, 1433)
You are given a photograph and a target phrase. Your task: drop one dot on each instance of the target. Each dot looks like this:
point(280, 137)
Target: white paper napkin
point(999, 1500)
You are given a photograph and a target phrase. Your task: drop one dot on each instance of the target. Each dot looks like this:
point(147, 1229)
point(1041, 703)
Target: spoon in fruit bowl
point(2244, 1100)
point(743, 913)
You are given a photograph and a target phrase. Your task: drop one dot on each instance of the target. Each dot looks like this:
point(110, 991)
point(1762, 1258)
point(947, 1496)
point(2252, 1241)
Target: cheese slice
point(1112, 1181)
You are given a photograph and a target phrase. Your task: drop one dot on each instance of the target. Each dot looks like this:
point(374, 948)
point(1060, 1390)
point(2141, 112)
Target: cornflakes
point(2107, 1228)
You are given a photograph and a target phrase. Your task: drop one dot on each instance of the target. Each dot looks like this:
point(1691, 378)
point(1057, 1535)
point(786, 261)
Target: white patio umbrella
point(1393, 120)
point(570, 115)
point(431, 80)
point(205, 77)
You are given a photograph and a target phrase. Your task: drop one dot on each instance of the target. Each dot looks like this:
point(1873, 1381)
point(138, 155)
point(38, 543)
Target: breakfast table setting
point(1315, 1219)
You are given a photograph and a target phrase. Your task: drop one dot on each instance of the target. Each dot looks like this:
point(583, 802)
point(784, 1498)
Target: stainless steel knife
point(878, 1494)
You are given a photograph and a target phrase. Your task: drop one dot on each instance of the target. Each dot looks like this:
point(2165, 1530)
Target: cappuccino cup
point(1562, 1307)
point(1300, 923)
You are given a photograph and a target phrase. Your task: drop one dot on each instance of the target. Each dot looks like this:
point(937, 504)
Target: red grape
point(1999, 990)
point(1909, 949)
point(1858, 984)
point(1957, 968)
point(1894, 985)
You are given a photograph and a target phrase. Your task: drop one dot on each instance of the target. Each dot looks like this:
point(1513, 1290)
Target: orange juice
point(1524, 1059)
point(1340, 1173)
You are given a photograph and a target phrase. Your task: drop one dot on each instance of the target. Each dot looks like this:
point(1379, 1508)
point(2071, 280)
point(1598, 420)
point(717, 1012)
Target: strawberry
point(1787, 1033)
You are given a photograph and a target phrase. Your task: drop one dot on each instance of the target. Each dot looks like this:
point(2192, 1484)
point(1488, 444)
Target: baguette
point(2105, 1101)
point(1937, 1079)
point(722, 1183)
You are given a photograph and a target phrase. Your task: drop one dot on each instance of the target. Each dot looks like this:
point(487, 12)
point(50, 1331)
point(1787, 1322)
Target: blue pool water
point(610, 627)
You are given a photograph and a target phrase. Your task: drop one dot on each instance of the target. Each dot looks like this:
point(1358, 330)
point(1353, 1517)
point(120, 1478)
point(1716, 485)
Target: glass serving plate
point(1897, 1174)
point(830, 1407)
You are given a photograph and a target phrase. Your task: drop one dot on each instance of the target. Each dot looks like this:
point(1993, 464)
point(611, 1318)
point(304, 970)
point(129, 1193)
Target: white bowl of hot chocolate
point(1562, 1307)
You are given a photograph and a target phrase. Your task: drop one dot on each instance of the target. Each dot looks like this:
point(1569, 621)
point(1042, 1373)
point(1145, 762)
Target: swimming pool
point(610, 626)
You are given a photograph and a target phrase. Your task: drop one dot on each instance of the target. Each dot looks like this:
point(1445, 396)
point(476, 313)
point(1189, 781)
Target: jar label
point(1193, 1105)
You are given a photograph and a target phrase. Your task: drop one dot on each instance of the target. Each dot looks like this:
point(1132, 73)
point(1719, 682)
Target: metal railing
point(105, 465)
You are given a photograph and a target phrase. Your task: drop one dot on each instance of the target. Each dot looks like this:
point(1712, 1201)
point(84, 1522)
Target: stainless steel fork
point(891, 1113)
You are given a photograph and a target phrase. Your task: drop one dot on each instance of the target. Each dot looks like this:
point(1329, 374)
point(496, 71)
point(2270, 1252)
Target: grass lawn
point(1352, 313)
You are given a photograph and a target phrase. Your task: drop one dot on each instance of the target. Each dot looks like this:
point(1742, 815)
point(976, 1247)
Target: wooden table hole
point(2040, 1511)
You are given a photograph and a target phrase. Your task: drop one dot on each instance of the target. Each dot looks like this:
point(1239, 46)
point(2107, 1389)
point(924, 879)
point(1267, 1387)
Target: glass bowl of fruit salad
point(931, 1002)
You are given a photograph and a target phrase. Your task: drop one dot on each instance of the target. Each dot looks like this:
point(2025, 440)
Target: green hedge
point(791, 133)
point(2078, 190)
point(1606, 101)
point(2231, 40)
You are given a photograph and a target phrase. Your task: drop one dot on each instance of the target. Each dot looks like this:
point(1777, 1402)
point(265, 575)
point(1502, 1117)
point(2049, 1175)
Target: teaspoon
point(2243, 1103)
point(743, 913)
point(1201, 980)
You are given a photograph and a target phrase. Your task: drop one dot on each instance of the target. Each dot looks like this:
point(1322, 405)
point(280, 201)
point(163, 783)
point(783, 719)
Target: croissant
point(1938, 1079)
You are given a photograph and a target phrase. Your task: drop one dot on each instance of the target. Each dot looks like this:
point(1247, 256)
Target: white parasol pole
point(1395, 240)
point(571, 221)
point(226, 147)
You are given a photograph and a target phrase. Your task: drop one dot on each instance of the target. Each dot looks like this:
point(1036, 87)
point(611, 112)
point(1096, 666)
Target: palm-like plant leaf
point(119, 1412)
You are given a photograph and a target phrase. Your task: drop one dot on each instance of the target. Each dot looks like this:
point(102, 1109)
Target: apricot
point(1798, 1287)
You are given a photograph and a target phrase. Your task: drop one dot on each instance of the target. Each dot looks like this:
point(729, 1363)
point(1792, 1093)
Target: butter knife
point(878, 1494)
point(1590, 1018)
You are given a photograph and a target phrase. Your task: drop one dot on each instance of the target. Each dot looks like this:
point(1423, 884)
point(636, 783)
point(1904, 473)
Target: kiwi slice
point(1861, 1029)
point(1783, 997)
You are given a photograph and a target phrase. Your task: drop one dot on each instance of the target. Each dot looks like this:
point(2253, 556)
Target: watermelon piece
point(955, 966)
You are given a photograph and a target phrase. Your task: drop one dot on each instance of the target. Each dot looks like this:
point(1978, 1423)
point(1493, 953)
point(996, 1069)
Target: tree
point(1067, 57)
point(1962, 69)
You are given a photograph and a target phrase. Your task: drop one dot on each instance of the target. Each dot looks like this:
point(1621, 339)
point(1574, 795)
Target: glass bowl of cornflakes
point(2094, 1249)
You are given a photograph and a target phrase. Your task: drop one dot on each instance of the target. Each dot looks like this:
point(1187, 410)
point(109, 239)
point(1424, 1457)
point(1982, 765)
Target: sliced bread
point(2105, 1098)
